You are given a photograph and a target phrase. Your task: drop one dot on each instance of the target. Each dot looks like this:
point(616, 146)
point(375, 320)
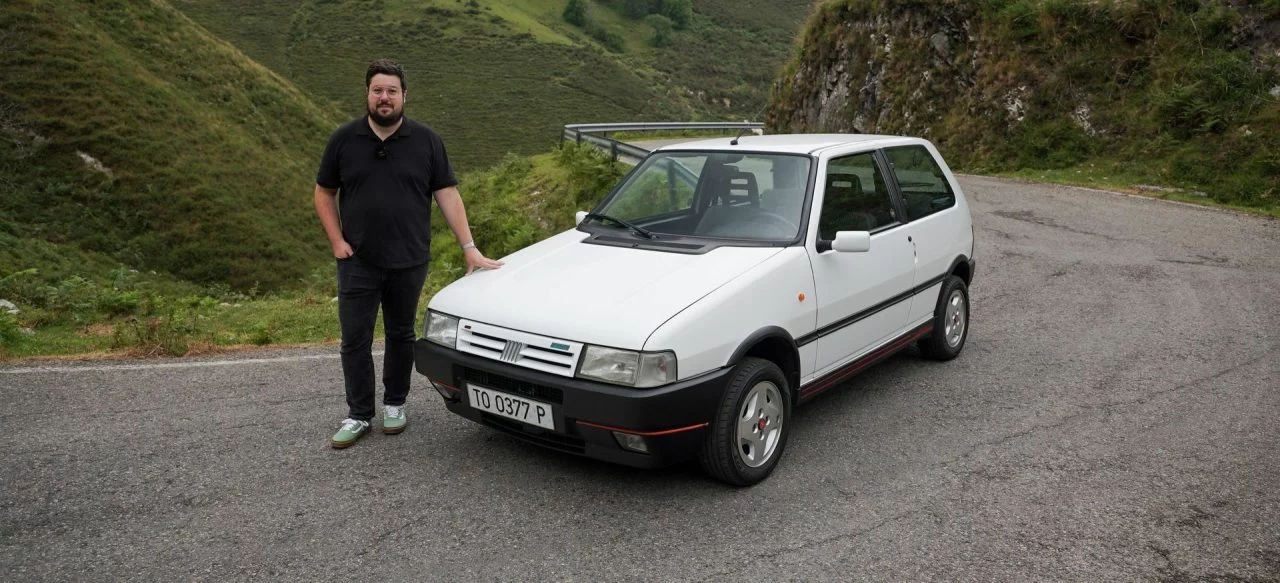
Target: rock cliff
point(1187, 92)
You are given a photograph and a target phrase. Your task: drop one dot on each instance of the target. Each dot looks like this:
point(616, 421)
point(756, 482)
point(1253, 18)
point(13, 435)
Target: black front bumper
point(672, 420)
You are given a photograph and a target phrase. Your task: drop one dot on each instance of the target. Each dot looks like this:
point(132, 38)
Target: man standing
point(386, 169)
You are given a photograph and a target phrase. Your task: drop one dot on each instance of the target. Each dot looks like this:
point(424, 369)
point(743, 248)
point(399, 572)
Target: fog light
point(631, 442)
point(449, 393)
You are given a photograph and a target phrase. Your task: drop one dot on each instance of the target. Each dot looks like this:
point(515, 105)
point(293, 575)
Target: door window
point(924, 189)
point(856, 198)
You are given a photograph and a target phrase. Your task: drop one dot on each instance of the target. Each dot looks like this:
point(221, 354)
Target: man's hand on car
point(476, 260)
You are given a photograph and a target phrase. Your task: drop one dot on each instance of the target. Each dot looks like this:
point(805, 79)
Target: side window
point(856, 198)
point(663, 188)
point(924, 189)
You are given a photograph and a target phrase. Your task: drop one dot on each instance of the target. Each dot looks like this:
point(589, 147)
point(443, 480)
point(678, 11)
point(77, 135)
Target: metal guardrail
point(617, 150)
point(664, 125)
point(586, 132)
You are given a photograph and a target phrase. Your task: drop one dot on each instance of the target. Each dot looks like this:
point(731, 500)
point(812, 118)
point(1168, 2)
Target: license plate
point(511, 407)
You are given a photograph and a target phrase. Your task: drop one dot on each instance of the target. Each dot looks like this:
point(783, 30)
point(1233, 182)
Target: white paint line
point(158, 366)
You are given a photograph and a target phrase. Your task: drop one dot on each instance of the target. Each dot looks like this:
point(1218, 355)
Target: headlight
point(627, 367)
point(442, 329)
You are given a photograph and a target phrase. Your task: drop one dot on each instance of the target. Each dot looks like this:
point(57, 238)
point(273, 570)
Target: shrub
point(10, 331)
point(636, 9)
point(610, 38)
point(662, 28)
point(263, 333)
point(1051, 144)
point(114, 302)
point(575, 12)
point(679, 11)
point(166, 335)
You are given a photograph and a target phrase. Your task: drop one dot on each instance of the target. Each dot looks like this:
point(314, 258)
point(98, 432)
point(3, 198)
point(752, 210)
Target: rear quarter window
point(925, 189)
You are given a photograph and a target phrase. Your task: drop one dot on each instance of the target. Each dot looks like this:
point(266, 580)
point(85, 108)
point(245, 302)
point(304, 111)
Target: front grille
point(541, 353)
point(514, 386)
point(519, 430)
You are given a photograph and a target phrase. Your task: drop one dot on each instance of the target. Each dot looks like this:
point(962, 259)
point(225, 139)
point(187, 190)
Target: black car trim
point(963, 260)
point(885, 350)
point(656, 412)
point(757, 336)
point(867, 313)
point(549, 439)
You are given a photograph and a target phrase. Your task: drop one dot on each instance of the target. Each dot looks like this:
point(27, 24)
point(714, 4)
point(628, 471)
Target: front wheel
point(749, 433)
point(950, 321)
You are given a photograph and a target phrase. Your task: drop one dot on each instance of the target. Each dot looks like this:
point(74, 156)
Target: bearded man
point(377, 178)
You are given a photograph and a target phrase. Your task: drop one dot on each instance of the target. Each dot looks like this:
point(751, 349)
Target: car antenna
point(734, 142)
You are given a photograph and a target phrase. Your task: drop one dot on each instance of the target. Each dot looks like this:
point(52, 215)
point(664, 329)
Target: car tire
point(749, 433)
point(950, 322)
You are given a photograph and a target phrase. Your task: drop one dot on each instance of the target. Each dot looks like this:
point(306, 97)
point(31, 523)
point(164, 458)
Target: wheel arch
point(962, 267)
point(776, 345)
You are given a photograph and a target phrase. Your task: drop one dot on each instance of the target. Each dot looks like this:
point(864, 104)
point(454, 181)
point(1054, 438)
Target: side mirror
point(579, 216)
point(852, 242)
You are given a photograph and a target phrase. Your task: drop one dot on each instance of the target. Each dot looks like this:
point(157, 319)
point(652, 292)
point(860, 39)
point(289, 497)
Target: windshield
point(715, 194)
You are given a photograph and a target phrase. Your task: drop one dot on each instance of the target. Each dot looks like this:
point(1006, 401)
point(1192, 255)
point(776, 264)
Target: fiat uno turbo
point(718, 286)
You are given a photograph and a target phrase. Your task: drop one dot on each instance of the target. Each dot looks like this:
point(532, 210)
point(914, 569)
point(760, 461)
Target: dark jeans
point(361, 289)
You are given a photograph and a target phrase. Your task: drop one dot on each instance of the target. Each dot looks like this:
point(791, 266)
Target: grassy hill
point(499, 76)
point(1174, 93)
point(155, 181)
point(94, 305)
point(133, 134)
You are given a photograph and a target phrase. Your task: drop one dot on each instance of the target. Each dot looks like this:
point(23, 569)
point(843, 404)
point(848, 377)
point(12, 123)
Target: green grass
point(504, 76)
point(490, 88)
point(1093, 176)
point(271, 321)
point(155, 182)
point(1171, 92)
point(206, 158)
point(107, 309)
point(733, 53)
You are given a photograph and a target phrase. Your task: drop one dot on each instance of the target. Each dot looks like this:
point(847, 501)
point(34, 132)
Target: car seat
point(736, 199)
point(845, 205)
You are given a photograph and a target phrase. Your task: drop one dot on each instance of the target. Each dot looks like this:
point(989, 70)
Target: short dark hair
point(385, 67)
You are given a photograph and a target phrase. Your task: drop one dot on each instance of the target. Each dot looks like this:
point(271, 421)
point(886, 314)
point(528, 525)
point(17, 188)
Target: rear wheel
point(950, 321)
point(749, 433)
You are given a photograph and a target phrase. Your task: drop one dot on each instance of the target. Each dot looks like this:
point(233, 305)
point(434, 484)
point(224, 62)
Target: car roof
point(790, 143)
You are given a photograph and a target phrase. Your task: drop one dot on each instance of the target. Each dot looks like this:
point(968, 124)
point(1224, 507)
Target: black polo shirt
point(384, 189)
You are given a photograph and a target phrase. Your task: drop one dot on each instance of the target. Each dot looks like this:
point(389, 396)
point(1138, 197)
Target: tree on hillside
point(637, 9)
point(575, 12)
point(610, 37)
point(662, 29)
point(679, 11)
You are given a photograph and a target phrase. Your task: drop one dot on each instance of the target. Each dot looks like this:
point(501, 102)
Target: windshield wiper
point(643, 232)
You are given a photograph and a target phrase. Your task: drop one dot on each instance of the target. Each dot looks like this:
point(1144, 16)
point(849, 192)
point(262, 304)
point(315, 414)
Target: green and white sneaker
point(351, 430)
point(394, 419)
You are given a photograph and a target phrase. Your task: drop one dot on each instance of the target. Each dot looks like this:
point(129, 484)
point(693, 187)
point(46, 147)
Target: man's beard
point(385, 121)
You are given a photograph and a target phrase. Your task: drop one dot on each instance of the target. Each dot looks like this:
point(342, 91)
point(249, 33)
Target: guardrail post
point(613, 150)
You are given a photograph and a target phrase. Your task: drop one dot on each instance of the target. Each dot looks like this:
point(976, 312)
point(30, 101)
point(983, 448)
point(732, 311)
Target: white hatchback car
point(720, 284)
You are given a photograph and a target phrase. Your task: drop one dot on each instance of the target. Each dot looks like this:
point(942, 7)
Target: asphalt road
point(1112, 418)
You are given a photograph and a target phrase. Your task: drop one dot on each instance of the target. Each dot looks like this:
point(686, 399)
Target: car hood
point(598, 294)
